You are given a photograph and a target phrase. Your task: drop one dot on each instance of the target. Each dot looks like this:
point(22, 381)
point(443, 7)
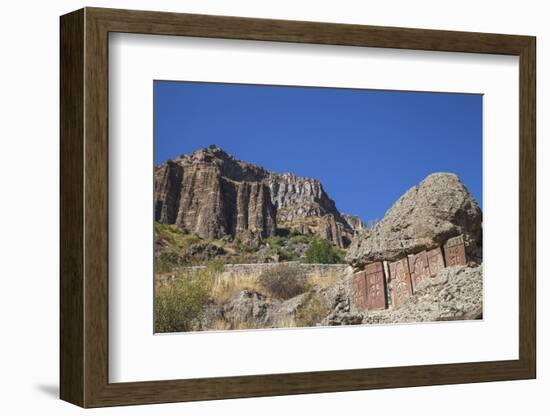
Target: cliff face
point(304, 206)
point(355, 222)
point(212, 194)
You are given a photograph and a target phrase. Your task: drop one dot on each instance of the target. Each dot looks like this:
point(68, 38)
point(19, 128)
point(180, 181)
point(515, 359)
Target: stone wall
point(254, 270)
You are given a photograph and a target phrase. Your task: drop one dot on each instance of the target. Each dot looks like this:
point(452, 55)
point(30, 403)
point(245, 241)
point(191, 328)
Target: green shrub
point(174, 236)
point(280, 246)
point(299, 239)
point(322, 252)
point(172, 242)
point(275, 241)
point(166, 261)
point(180, 304)
point(283, 281)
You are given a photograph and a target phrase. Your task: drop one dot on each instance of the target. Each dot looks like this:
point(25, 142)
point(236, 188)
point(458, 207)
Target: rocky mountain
point(211, 194)
point(439, 208)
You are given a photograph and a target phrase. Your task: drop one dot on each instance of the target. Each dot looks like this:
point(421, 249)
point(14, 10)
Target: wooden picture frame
point(84, 207)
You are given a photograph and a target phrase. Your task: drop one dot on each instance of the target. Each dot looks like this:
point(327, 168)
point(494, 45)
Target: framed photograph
point(255, 207)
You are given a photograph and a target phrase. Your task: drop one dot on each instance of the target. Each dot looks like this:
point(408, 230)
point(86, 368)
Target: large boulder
point(248, 309)
point(423, 218)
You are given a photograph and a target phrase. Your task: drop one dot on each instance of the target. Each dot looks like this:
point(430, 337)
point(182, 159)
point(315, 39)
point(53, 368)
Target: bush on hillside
point(322, 252)
point(284, 281)
point(180, 304)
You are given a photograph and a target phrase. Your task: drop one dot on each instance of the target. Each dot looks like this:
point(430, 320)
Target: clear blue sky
point(366, 146)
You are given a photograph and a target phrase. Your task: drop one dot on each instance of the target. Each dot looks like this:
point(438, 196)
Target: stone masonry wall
point(254, 270)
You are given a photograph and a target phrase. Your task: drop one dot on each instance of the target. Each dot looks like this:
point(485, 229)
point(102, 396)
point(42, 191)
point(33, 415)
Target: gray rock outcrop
point(439, 208)
point(354, 222)
point(455, 293)
point(248, 308)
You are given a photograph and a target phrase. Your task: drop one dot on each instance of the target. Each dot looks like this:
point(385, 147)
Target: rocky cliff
point(211, 194)
point(439, 208)
point(355, 222)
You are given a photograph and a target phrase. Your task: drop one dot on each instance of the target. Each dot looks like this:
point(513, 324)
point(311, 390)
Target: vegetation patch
point(170, 244)
point(180, 303)
point(313, 310)
point(322, 252)
point(283, 281)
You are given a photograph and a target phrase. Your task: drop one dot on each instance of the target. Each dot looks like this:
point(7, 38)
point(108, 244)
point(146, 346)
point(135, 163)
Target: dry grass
point(224, 325)
point(245, 325)
point(313, 311)
point(220, 325)
point(180, 304)
point(180, 301)
point(323, 281)
point(224, 289)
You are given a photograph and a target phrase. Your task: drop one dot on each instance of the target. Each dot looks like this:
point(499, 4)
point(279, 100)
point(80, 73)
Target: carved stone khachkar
point(389, 284)
point(425, 264)
point(369, 288)
point(376, 290)
point(435, 261)
point(418, 267)
point(455, 251)
point(400, 279)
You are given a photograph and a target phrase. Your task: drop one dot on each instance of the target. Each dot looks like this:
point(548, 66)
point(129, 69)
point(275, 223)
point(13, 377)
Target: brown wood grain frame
point(84, 207)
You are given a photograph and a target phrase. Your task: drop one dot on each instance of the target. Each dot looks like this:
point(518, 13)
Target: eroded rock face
point(423, 218)
point(250, 308)
point(455, 293)
point(354, 222)
point(201, 252)
point(304, 206)
point(212, 194)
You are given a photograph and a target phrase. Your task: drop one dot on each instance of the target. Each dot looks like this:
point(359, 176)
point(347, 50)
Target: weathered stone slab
point(425, 264)
point(418, 267)
point(360, 290)
point(455, 251)
point(376, 288)
point(400, 279)
point(435, 261)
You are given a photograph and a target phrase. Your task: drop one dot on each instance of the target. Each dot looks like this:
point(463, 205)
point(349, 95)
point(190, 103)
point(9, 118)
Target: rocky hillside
point(428, 216)
point(455, 293)
point(211, 194)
